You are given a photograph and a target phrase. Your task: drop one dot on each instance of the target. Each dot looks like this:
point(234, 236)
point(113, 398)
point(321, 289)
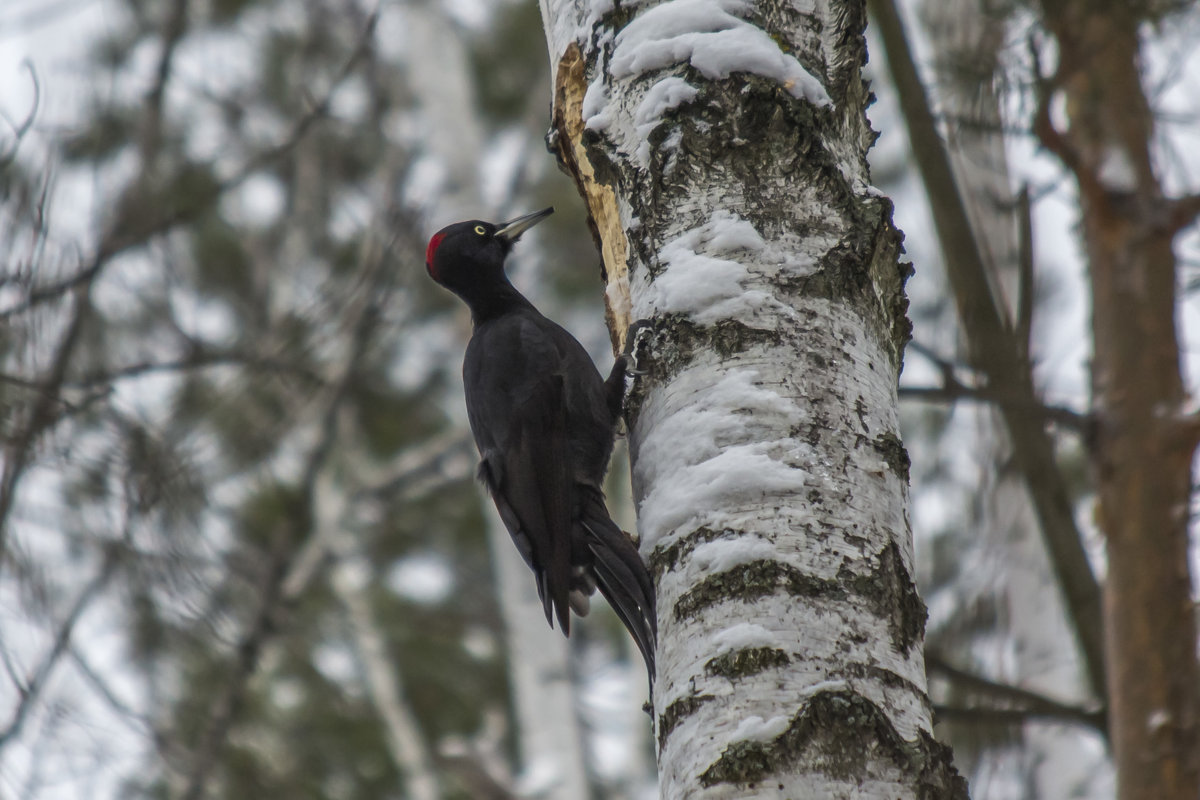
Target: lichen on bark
point(856, 732)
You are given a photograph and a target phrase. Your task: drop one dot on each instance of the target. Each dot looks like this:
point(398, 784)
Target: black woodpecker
point(544, 422)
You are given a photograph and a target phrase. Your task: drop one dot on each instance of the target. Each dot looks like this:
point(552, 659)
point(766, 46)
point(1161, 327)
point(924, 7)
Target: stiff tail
point(622, 577)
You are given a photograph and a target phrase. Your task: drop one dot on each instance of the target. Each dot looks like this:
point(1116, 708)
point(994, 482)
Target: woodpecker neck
point(494, 300)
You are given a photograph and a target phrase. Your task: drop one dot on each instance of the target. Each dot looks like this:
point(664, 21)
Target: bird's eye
point(480, 230)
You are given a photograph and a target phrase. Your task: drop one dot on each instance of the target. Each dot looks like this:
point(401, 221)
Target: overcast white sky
point(53, 36)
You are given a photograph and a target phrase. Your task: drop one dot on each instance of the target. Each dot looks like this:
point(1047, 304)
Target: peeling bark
point(604, 215)
point(720, 146)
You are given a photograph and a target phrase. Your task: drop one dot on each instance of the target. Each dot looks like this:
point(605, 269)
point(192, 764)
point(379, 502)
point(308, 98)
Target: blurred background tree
point(241, 549)
point(244, 551)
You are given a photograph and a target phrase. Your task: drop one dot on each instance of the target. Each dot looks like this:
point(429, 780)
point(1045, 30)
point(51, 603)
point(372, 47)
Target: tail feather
point(622, 578)
point(615, 584)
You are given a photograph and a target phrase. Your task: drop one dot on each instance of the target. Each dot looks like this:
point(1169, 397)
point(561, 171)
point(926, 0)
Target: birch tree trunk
point(719, 145)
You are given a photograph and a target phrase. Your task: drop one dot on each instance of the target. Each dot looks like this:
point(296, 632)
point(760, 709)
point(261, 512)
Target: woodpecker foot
point(634, 335)
point(618, 384)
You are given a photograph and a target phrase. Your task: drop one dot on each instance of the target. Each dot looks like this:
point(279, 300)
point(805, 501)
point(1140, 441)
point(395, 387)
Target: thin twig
point(126, 235)
point(123, 709)
point(229, 700)
point(32, 689)
point(22, 128)
point(1014, 700)
point(1010, 716)
point(1025, 287)
point(281, 586)
point(20, 450)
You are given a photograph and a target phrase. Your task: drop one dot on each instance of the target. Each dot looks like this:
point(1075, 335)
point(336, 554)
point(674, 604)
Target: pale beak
point(511, 231)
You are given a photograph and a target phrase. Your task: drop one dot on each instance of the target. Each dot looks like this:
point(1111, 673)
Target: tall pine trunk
point(720, 147)
point(1144, 443)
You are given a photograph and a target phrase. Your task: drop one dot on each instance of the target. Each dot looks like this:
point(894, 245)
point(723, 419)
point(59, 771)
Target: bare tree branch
point(227, 703)
point(1005, 700)
point(101, 687)
point(405, 741)
point(276, 576)
point(953, 388)
point(1008, 716)
point(1184, 211)
point(279, 584)
point(415, 463)
point(119, 238)
point(129, 233)
point(1043, 125)
point(950, 392)
point(32, 689)
point(21, 129)
point(199, 358)
point(20, 449)
point(1025, 288)
point(150, 144)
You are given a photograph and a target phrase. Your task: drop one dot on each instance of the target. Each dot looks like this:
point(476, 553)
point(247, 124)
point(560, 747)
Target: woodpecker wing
point(544, 420)
point(518, 413)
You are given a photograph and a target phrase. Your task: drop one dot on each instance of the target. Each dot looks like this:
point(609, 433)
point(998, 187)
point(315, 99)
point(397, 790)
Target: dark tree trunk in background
point(1143, 447)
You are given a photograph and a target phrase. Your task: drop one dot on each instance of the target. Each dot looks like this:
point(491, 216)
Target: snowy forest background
point(243, 553)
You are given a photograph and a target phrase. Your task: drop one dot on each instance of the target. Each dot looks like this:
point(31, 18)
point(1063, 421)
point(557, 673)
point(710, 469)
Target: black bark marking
point(665, 559)
point(754, 580)
point(740, 663)
point(860, 408)
point(677, 712)
point(888, 590)
point(892, 594)
point(846, 733)
point(892, 450)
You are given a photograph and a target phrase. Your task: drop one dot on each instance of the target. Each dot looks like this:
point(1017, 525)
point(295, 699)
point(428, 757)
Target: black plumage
point(544, 422)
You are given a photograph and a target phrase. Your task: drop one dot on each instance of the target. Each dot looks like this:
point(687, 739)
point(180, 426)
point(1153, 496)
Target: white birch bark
point(966, 37)
point(720, 147)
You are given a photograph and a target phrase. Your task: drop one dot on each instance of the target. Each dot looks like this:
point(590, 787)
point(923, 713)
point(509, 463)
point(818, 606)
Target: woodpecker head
point(468, 255)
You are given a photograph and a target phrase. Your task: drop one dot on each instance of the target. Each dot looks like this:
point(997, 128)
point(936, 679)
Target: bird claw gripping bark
point(625, 368)
point(637, 332)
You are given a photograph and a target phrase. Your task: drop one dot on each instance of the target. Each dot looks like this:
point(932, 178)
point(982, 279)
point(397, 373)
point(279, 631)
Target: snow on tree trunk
point(720, 147)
